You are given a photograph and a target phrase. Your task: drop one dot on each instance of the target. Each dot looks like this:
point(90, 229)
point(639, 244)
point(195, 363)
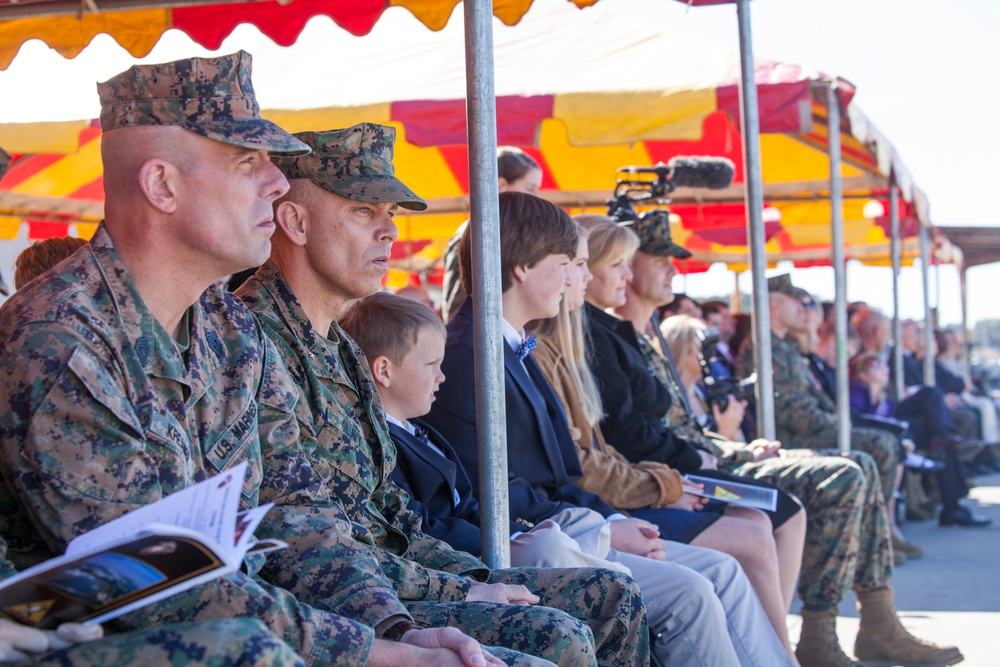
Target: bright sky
point(923, 69)
point(924, 72)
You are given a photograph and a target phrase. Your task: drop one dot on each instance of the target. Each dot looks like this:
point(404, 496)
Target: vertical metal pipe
point(839, 270)
point(897, 321)
point(484, 217)
point(964, 287)
point(754, 181)
point(925, 272)
point(735, 302)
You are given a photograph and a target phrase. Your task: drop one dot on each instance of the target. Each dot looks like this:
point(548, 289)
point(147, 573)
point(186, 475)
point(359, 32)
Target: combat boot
point(818, 645)
point(883, 641)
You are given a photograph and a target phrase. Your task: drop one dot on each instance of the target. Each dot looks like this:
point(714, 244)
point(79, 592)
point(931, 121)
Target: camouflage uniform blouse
point(105, 413)
point(342, 416)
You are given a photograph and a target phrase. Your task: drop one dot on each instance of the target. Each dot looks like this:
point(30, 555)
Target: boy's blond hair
point(386, 325)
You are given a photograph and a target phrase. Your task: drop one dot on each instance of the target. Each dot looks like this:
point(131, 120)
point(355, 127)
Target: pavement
point(952, 594)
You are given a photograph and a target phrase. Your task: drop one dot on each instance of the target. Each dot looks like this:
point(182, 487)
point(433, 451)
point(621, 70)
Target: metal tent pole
point(925, 272)
point(760, 309)
point(964, 287)
point(484, 217)
point(897, 322)
point(839, 270)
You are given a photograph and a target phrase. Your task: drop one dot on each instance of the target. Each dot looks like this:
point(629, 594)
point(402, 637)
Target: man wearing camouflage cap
point(805, 415)
point(832, 565)
point(135, 375)
point(237, 642)
point(847, 543)
point(333, 246)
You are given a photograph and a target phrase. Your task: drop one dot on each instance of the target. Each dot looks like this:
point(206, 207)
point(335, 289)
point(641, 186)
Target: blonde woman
point(647, 490)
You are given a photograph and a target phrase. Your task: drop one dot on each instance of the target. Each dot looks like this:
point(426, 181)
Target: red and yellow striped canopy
point(579, 137)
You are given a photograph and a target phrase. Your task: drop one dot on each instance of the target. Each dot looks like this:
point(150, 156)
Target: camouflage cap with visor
point(354, 163)
point(212, 97)
point(653, 230)
point(783, 285)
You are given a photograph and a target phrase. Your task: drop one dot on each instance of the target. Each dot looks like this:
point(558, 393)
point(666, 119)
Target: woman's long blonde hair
point(607, 243)
point(566, 332)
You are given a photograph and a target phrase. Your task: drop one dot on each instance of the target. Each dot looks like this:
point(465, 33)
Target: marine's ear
point(158, 183)
point(292, 218)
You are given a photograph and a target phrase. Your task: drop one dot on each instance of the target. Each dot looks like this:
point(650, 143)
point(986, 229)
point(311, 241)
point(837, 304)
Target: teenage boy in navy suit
point(687, 606)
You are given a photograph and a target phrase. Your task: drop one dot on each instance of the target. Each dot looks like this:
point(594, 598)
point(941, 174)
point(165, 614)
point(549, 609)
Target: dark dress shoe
point(963, 517)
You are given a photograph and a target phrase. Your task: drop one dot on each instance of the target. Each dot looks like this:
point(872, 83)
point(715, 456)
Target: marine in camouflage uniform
point(107, 413)
point(805, 416)
point(847, 536)
point(339, 404)
point(110, 416)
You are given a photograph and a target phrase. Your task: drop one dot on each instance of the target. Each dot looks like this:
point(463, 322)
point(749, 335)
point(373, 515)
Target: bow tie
point(421, 434)
point(526, 346)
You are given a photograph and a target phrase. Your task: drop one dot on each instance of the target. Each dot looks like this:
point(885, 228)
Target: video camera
point(635, 184)
point(720, 384)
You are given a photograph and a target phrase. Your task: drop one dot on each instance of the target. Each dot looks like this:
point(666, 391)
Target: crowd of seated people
point(943, 434)
point(133, 373)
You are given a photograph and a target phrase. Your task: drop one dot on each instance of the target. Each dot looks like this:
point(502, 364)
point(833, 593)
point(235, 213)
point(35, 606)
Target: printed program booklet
point(186, 539)
point(736, 493)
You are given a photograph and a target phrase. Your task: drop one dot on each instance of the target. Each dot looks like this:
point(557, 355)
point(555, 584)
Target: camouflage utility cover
point(783, 285)
point(653, 230)
point(355, 163)
point(212, 97)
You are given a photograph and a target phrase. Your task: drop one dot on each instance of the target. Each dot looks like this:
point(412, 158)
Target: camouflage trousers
point(586, 616)
point(847, 534)
point(880, 445)
point(241, 642)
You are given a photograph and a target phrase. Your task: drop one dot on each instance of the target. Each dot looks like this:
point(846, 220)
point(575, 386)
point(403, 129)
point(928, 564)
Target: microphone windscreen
point(692, 171)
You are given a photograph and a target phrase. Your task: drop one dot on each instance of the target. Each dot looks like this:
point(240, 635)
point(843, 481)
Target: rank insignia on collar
point(142, 348)
point(215, 344)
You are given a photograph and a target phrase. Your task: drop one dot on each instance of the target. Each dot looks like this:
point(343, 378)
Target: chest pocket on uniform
point(85, 434)
point(343, 445)
point(239, 442)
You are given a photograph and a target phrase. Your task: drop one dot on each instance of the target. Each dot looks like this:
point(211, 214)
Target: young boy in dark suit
point(404, 342)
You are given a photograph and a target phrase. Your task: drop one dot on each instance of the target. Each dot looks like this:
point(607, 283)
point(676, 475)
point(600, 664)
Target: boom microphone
point(636, 184)
point(692, 171)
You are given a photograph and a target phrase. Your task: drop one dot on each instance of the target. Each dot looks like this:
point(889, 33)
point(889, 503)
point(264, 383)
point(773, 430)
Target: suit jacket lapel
point(535, 397)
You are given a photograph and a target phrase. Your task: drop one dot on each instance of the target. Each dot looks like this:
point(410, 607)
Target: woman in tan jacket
point(647, 487)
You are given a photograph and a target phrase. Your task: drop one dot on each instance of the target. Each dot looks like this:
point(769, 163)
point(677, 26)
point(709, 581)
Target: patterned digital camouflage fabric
point(452, 293)
point(340, 405)
point(239, 642)
point(805, 416)
point(212, 97)
point(847, 535)
point(355, 163)
point(653, 230)
point(107, 414)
